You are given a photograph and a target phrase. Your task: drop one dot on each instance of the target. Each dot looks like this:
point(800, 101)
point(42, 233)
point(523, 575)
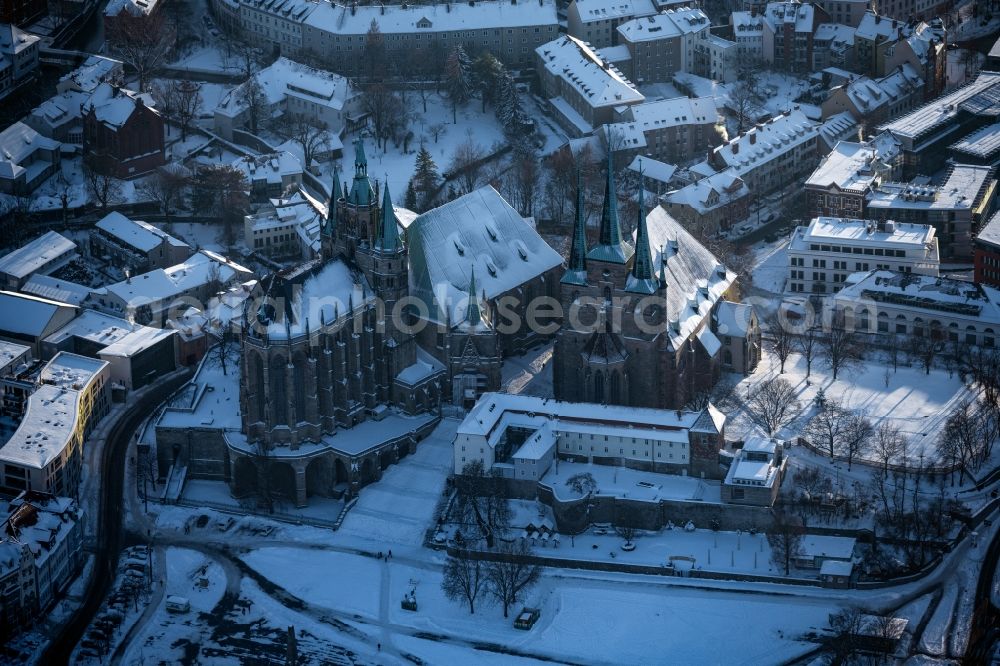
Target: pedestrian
point(390, 554)
point(379, 645)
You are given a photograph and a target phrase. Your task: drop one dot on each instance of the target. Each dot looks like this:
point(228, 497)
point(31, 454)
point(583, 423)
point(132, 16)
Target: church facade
point(638, 314)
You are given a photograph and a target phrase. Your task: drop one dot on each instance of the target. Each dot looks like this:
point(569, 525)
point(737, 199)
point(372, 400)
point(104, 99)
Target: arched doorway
point(319, 477)
point(244, 477)
point(340, 472)
point(385, 459)
point(283, 480)
point(367, 471)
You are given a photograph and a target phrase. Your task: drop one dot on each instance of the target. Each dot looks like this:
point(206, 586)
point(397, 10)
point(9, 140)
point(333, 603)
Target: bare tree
point(221, 190)
point(102, 186)
point(184, 103)
point(826, 429)
point(840, 346)
point(466, 163)
point(771, 403)
point(743, 102)
point(142, 41)
point(437, 130)
point(465, 578)
point(251, 95)
point(511, 574)
point(888, 444)
point(482, 500)
point(855, 436)
point(847, 624)
point(626, 532)
point(311, 136)
point(582, 483)
point(808, 344)
point(780, 339)
point(811, 482)
point(522, 179)
point(166, 187)
point(960, 439)
point(785, 539)
point(386, 109)
point(924, 350)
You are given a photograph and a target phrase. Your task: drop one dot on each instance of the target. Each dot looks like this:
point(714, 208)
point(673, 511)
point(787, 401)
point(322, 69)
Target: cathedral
point(333, 386)
point(641, 315)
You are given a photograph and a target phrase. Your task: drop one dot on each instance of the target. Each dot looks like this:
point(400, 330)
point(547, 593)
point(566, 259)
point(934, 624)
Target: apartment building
point(596, 21)
point(840, 185)
point(822, 255)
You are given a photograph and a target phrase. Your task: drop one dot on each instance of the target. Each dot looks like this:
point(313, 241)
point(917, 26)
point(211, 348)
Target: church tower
point(473, 348)
point(356, 217)
point(328, 234)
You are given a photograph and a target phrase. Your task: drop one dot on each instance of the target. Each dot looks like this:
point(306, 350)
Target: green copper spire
point(472, 314)
point(610, 245)
point(388, 232)
point(362, 193)
point(643, 267)
point(576, 273)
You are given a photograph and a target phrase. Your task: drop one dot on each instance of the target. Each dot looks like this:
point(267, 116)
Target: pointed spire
point(362, 193)
point(578, 251)
point(360, 159)
point(642, 269)
point(388, 233)
point(472, 314)
point(610, 245)
point(330, 228)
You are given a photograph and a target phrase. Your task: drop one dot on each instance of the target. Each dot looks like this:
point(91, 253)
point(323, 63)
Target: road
point(986, 616)
point(109, 526)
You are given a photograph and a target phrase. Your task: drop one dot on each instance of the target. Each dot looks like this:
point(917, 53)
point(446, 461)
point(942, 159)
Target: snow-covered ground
point(771, 266)
point(530, 374)
point(917, 403)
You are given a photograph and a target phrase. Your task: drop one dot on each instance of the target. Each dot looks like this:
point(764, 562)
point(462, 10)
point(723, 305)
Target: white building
point(286, 227)
point(151, 296)
point(755, 474)
point(597, 21)
point(772, 154)
point(823, 255)
point(903, 304)
point(748, 30)
point(45, 452)
point(135, 245)
point(45, 254)
point(27, 159)
point(270, 175)
point(584, 90)
point(18, 57)
point(493, 433)
point(290, 88)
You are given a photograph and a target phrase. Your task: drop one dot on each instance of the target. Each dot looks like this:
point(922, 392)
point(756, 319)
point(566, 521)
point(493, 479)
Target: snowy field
point(916, 403)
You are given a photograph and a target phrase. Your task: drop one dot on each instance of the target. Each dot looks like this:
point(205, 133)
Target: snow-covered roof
point(836, 568)
point(59, 110)
point(733, 319)
point(591, 11)
point(287, 78)
point(850, 166)
point(446, 17)
point(17, 143)
point(800, 15)
point(710, 192)
point(13, 40)
point(94, 71)
point(56, 289)
point(674, 112)
point(22, 314)
point(746, 24)
point(161, 284)
point(868, 95)
point(767, 141)
point(876, 28)
point(48, 248)
point(670, 23)
point(424, 367)
point(10, 352)
point(942, 110)
point(961, 190)
point(827, 547)
point(478, 230)
point(838, 127)
point(984, 143)
point(137, 234)
point(133, 7)
point(835, 33)
point(50, 420)
point(925, 293)
point(289, 10)
point(599, 83)
point(502, 409)
point(114, 106)
point(696, 280)
point(538, 445)
point(903, 235)
point(271, 168)
point(990, 232)
point(653, 169)
point(144, 337)
point(95, 327)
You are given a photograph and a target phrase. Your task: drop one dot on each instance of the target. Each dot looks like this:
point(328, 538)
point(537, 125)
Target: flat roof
point(93, 326)
point(848, 230)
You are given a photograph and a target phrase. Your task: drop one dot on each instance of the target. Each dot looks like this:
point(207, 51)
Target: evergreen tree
point(488, 72)
point(458, 79)
point(508, 106)
point(374, 54)
point(410, 198)
point(426, 180)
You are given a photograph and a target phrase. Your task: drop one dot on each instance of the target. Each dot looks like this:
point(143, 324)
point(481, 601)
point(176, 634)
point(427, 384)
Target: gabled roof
point(584, 70)
point(32, 256)
point(477, 229)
